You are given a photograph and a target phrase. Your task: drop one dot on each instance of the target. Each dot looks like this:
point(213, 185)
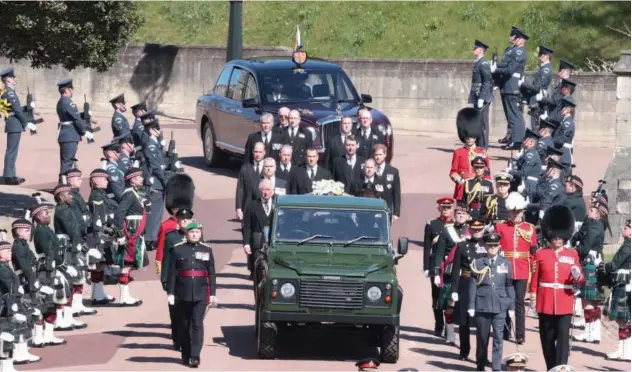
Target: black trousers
point(191, 327)
point(483, 140)
point(174, 325)
point(520, 286)
point(554, 337)
point(512, 105)
point(438, 314)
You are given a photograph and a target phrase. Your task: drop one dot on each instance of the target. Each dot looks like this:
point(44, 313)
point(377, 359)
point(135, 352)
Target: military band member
point(547, 128)
point(509, 71)
point(126, 149)
point(469, 128)
point(49, 272)
point(15, 123)
point(247, 179)
point(451, 235)
point(618, 271)
point(285, 163)
point(556, 270)
point(367, 135)
point(390, 178)
point(71, 126)
point(589, 242)
point(138, 110)
point(116, 182)
point(256, 219)
point(130, 219)
point(494, 209)
point(298, 138)
point(529, 165)
point(466, 252)
point(101, 209)
point(301, 179)
point(348, 168)
point(539, 84)
point(335, 147)
point(12, 319)
point(477, 188)
point(492, 296)
point(191, 288)
point(120, 125)
point(482, 88)
point(69, 235)
point(284, 120)
point(574, 198)
point(280, 186)
point(272, 141)
point(518, 243)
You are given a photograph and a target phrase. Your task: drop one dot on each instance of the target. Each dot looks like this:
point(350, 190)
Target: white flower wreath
point(328, 187)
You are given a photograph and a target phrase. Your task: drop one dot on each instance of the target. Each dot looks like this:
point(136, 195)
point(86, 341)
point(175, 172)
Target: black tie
point(311, 174)
point(265, 140)
point(266, 208)
point(292, 133)
point(257, 167)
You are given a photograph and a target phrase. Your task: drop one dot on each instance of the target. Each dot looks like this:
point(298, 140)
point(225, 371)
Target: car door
point(250, 115)
point(221, 105)
point(230, 114)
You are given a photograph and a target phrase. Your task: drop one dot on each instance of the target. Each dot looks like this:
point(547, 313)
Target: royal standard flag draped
point(298, 44)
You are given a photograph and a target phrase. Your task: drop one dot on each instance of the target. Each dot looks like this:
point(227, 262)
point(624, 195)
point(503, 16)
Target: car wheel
point(389, 345)
point(267, 340)
point(213, 156)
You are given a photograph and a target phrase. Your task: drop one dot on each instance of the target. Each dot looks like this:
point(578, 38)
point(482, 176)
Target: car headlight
point(288, 290)
point(374, 293)
point(313, 132)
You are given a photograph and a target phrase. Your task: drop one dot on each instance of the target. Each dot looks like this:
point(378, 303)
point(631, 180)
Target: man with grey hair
point(366, 135)
point(279, 186)
point(285, 163)
point(284, 120)
point(296, 137)
point(256, 219)
point(270, 139)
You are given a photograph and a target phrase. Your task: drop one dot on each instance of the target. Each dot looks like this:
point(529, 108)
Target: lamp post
point(235, 31)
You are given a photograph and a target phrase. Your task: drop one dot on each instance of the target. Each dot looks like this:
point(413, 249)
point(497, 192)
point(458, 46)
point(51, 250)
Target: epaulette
point(182, 242)
point(97, 202)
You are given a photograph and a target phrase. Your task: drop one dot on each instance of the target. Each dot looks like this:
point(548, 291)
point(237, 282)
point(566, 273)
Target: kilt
point(460, 308)
point(141, 259)
point(444, 296)
point(589, 289)
point(619, 304)
point(79, 261)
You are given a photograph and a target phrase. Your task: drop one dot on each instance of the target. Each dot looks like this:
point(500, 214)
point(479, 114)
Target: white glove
point(544, 116)
point(538, 97)
point(455, 297)
point(121, 241)
point(7, 337)
point(78, 247)
point(171, 299)
point(213, 301)
point(36, 312)
point(598, 261)
point(14, 307)
point(508, 169)
point(437, 280)
point(31, 126)
point(163, 143)
point(471, 312)
point(21, 290)
point(89, 136)
point(426, 273)
point(493, 67)
point(521, 188)
point(575, 272)
point(541, 214)
point(512, 314)
point(480, 103)
point(37, 284)
point(99, 223)
point(521, 81)
point(95, 253)
point(71, 271)
point(20, 318)
point(47, 290)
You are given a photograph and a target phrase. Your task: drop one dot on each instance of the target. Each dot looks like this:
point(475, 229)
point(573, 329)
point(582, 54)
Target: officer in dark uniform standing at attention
point(120, 125)
point(138, 110)
point(71, 127)
point(481, 91)
point(15, 123)
point(509, 72)
point(540, 83)
point(191, 288)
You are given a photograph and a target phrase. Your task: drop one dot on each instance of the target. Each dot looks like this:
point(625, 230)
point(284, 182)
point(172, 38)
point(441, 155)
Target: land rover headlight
point(374, 293)
point(288, 290)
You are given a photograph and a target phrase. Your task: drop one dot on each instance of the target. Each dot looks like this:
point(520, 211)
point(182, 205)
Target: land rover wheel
point(389, 345)
point(267, 341)
point(213, 156)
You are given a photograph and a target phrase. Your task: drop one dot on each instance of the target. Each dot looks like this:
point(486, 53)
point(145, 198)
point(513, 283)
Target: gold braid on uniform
point(480, 273)
point(526, 234)
point(5, 106)
point(491, 205)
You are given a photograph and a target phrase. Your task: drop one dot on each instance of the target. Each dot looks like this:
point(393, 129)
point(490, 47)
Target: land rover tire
point(389, 345)
point(213, 156)
point(267, 341)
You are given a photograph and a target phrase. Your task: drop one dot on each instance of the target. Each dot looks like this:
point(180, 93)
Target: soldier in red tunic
point(469, 127)
point(556, 270)
point(518, 243)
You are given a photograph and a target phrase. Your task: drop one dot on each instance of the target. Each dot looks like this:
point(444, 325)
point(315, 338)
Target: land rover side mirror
point(251, 102)
point(402, 246)
point(366, 98)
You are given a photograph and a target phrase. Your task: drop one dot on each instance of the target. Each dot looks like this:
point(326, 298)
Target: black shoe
point(176, 346)
point(462, 358)
point(503, 140)
point(185, 361)
point(11, 181)
point(520, 340)
point(438, 332)
point(194, 362)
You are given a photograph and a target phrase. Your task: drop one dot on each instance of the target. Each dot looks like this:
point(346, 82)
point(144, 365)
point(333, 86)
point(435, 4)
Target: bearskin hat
point(558, 222)
point(469, 123)
point(180, 192)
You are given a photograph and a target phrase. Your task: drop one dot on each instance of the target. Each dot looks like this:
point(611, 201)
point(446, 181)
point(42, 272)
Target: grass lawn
point(423, 29)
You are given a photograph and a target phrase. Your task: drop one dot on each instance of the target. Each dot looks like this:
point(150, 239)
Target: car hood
point(318, 265)
point(313, 112)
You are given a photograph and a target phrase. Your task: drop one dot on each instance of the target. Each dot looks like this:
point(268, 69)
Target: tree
point(72, 34)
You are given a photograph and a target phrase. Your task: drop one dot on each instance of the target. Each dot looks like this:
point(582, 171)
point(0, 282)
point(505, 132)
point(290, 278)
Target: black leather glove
point(164, 286)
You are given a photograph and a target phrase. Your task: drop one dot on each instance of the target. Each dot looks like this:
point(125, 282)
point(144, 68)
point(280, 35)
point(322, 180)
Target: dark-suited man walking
point(302, 179)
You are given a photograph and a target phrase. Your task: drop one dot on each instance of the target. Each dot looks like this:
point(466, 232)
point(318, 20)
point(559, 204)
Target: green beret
point(193, 225)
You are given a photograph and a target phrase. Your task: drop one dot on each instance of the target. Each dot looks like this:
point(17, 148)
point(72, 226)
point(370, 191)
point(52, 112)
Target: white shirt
point(351, 161)
point(380, 169)
point(369, 180)
point(311, 171)
point(272, 181)
point(292, 131)
point(267, 204)
point(343, 136)
point(286, 167)
point(366, 133)
point(265, 137)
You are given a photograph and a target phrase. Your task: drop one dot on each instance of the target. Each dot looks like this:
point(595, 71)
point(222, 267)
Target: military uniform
point(191, 283)
point(550, 191)
point(137, 128)
point(389, 177)
point(546, 140)
point(554, 105)
point(15, 123)
point(120, 125)
point(116, 179)
point(71, 128)
point(565, 134)
point(461, 168)
point(575, 201)
point(491, 296)
point(540, 83)
point(494, 210)
point(481, 91)
point(300, 141)
point(477, 189)
point(529, 167)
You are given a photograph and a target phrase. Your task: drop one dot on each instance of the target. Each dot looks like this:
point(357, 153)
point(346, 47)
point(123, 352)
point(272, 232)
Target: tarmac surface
point(138, 338)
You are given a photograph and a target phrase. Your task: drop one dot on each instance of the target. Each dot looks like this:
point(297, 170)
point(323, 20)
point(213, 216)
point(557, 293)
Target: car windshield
point(291, 86)
point(338, 226)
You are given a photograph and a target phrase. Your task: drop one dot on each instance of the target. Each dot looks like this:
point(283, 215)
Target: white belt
point(10, 113)
point(517, 75)
point(532, 178)
point(622, 272)
point(134, 218)
point(555, 285)
point(63, 236)
point(18, 272)
point(111, 196)
point(65, 123)
point(568, 145)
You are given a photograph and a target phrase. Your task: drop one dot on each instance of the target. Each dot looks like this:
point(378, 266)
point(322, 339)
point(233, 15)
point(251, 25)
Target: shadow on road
point(15, 205)
point(237, 264)
point(234, 276)
point(244, 287)
point(224, 241)
point(138, 334)
point(588, 351)
point(232, 169)
point(238, 306)
point(143, 359)
point(146, 346)
point(148, 325)
point(451, 366)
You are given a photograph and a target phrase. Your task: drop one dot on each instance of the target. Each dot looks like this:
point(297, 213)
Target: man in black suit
point(348, 169)
point(367, 135)
point(284, 120)
point(285, 163)
point(279, 186)
point(272, 141)
point(336, 144)
point(256, 218)
point(248, 175)
point(301, 179)
point(390, 177)
point(296, 137)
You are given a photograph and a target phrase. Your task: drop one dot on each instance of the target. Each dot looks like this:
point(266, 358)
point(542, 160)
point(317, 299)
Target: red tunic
point(461, 166)
point(166, 227)
point(552, 281)
point(515, 245)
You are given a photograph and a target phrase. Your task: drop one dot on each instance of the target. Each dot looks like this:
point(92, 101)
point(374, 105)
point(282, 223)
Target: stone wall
point(417, 95)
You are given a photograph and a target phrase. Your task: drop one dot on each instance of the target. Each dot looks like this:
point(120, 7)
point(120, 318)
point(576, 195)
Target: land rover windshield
point(340, 226)
point(290, 86)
